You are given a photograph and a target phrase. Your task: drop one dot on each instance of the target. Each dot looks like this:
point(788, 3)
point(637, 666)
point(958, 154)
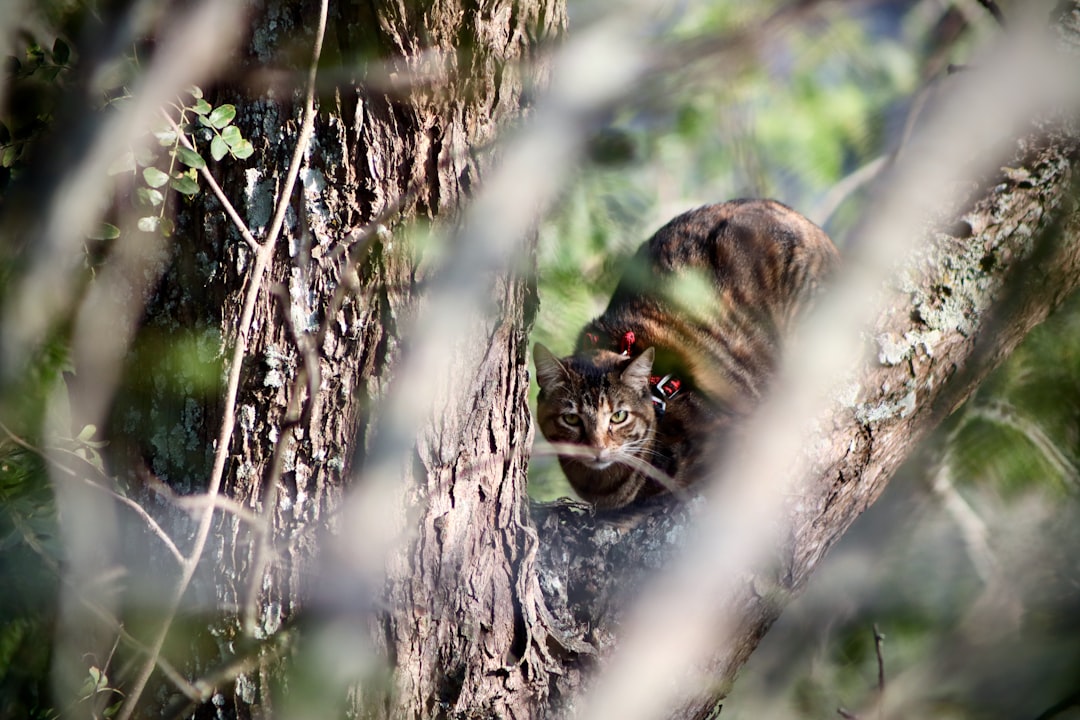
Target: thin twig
point(879, 641)
point(263, 256)
point(102, 614)
point(235, 666)
point(192, 503)
point(294, 413)
point(126, 501)
point(847, 186)
point(971, 525)
point(1004, 414)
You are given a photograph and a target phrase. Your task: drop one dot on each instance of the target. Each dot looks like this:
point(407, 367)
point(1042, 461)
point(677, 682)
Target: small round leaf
point(154, 178)
point(190, 158)
point(149, 223)
point(231, 135)
point(243, 150)
point(149, 196)
point(185, 185)
point(106, 231)
point(9, 155)
point(218, 148)
point(123, 164)
point(202, 107)
point(144, 156)
point(222, 116)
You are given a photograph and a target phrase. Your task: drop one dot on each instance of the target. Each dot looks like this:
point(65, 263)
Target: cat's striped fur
point(707, 300)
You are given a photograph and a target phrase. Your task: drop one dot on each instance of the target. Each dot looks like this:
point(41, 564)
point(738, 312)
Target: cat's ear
point(636, 374)
point(550, 373)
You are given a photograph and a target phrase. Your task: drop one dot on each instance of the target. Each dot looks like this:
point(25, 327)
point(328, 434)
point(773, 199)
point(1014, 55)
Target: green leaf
point(190, 158)
point(243, 150)
point(123, 164)
point(144, 156)
point(195, 91)
point(185, 185)
point(231, 135)
point(85, 434)
point(154, 178)
point(167, 226)
point(222, 116)
point(202, 107)
point(149, 196)
point(149, 223)
point(105, 231)
point(166, 138)
point(61, 52)
point(218, 147)
point(9, 156)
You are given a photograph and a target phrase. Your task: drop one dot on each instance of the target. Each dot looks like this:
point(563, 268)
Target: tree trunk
point(401, 143)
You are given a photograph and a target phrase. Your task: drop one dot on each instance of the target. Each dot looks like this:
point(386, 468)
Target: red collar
point(663, 388)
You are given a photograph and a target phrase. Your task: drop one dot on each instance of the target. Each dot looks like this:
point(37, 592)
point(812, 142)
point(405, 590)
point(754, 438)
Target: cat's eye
point(572, 419)
point(619, 416)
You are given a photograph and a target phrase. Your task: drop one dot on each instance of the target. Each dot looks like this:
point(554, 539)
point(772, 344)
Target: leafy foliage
point(197, 120)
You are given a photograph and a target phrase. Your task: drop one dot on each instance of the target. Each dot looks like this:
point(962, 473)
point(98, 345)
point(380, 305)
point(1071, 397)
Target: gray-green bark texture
point(461, 621)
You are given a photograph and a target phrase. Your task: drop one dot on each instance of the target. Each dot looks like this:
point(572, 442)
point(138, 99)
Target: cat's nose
point(603, 454)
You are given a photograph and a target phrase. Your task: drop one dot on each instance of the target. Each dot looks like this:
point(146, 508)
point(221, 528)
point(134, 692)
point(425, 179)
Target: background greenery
point(968, 565)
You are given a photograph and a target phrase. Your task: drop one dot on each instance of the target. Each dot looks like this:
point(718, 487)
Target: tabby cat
point(684, 349)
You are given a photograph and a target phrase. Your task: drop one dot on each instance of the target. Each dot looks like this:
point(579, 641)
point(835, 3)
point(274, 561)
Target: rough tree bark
point(402, 142)
point(462, 623)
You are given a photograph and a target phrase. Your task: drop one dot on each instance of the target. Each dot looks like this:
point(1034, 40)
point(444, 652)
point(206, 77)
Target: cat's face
point(600, 404)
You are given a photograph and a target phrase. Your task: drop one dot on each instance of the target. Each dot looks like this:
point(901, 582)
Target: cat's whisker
point(664, 480)
point(634, 463)
point(641, 449)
